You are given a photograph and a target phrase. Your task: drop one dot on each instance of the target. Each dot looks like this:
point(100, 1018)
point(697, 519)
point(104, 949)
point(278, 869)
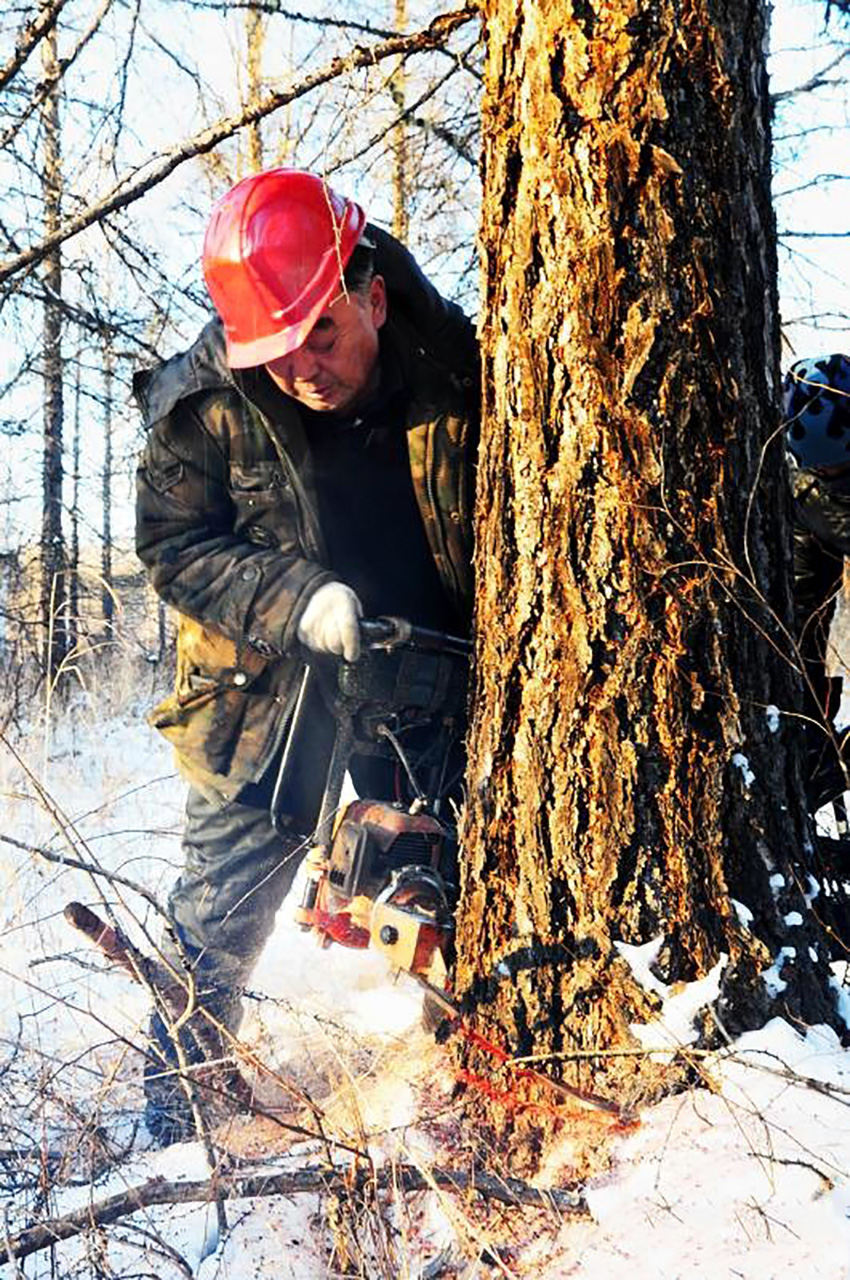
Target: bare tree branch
point(48, 81)
point(36, 29)
point(440, 131)
point(132, 186)
point(817, 81)
point(64, 860)
point(407, 116)
point(273, 8)
point(814, 235)
point(820, 180)
point(839, 319)
point(91, 321)
point(313, 1179)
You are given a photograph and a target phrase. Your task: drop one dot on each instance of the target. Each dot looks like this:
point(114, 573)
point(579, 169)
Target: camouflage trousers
point(238, 867)
point(237, 870)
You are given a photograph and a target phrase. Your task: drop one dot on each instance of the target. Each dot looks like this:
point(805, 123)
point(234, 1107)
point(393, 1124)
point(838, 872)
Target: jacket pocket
point(265, 506)
point(214, 696)
point(204, 717)
point(260, 485)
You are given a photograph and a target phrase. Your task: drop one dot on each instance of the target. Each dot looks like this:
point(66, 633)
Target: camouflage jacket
point(227, 522)
point(821, 506)
point(821, 540)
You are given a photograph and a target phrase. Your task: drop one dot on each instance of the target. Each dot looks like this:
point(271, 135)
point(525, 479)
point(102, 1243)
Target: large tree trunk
point(626, 776)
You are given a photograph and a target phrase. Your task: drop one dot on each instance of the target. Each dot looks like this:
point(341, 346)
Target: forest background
point(115, 124)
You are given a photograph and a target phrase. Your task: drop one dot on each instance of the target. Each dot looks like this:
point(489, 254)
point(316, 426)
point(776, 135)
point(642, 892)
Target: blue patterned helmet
point(816, 399)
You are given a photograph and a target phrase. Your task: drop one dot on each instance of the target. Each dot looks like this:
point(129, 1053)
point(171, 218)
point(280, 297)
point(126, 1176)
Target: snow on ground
point(745, 1177)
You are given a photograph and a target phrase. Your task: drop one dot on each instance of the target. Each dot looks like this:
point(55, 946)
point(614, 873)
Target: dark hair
point(360, 268)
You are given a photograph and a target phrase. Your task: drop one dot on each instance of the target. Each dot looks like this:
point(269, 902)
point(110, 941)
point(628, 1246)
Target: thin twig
point(817, 81)
point(75, 864)
point(50, 80)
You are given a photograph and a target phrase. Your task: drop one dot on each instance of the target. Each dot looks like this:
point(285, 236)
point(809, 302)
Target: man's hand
point(330, 623)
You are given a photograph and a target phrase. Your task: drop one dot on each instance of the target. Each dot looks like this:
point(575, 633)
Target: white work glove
point(329, 624)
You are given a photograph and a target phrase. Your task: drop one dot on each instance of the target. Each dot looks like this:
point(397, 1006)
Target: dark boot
point(168, 1114)
point(218, 1090)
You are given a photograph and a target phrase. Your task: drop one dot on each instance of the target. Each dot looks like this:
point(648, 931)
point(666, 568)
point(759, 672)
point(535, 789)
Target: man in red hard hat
point(308, 461)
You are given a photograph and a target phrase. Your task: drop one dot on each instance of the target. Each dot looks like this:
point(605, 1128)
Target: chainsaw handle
point(397, 633)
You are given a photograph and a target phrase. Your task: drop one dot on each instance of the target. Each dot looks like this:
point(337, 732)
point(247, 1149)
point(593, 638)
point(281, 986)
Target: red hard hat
point(274, 253)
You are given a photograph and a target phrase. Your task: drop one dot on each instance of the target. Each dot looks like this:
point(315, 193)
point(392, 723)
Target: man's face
point(336, 369)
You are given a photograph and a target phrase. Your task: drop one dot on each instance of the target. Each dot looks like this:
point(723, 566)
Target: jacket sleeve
point(197, 563)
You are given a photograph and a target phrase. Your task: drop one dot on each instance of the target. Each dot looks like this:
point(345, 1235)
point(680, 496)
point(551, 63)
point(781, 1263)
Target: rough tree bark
point(627, 777)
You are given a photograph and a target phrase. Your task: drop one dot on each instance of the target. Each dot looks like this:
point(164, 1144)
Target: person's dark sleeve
point(197, 562)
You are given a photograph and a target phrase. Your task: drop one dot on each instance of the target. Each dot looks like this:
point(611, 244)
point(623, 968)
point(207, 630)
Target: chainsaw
point(383, 873)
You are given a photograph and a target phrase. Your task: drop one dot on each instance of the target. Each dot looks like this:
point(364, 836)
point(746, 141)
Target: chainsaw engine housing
point(387, 881)
point(373, 839)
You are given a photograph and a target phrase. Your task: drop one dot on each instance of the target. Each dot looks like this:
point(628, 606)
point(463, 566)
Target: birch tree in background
point(254, 43)
point(107, 594)
point(53, 613)
point(401, 219)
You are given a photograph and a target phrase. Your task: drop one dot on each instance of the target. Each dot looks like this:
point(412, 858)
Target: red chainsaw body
point(382, 882)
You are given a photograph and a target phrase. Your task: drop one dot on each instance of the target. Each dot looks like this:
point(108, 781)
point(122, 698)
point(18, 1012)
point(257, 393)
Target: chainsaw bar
point(459, 1026)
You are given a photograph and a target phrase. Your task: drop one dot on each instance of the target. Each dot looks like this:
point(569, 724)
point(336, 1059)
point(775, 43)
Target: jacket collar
point(203, 367)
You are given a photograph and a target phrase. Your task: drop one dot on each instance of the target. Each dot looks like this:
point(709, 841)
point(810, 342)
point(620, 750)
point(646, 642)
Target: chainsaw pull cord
point(383, 731)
